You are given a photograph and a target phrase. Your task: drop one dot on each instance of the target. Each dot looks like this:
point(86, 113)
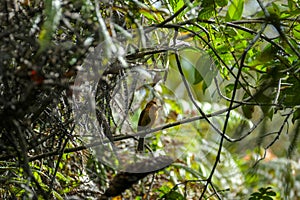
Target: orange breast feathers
point(148, 116)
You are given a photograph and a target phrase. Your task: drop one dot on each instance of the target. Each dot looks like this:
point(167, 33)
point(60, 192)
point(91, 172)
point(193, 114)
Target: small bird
point(146, 120)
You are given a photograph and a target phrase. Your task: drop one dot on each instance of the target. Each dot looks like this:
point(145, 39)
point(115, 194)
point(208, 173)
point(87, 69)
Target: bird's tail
point(140, 147)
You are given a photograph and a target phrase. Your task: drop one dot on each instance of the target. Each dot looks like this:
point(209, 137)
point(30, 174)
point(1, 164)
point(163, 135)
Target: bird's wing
point(144, 121)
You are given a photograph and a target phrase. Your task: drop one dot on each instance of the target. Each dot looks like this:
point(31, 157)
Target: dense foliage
point(226, 74)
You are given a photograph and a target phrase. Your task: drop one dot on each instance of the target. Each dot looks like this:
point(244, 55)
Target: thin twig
point(61, 153)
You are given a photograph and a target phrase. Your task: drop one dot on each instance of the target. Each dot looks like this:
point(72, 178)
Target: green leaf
point(197, 66)
point(206, 13)
point(271, 193)
point(248, 110)
point(290, 93)
point(173, 195)
point(296, 115)
point(267, 198)
point(53, 14)
point(274, 9)
point(164, 189)
point(176, 4)
point(293, 9)
point(206, 71)
point(296, 32)
point(207, 9)
point(57, 195)
point(267, 54)
point(235, 10)
point(263, 194)
point(222, 3)
point(148, 15)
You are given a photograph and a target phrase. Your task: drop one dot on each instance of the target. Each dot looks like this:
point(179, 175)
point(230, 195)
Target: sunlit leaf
point(154, 16)
point(296, 32)
point(235, 10)
point(176, 4)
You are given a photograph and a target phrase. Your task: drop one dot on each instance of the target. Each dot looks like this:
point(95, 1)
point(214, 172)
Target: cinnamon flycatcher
point(146, 120)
